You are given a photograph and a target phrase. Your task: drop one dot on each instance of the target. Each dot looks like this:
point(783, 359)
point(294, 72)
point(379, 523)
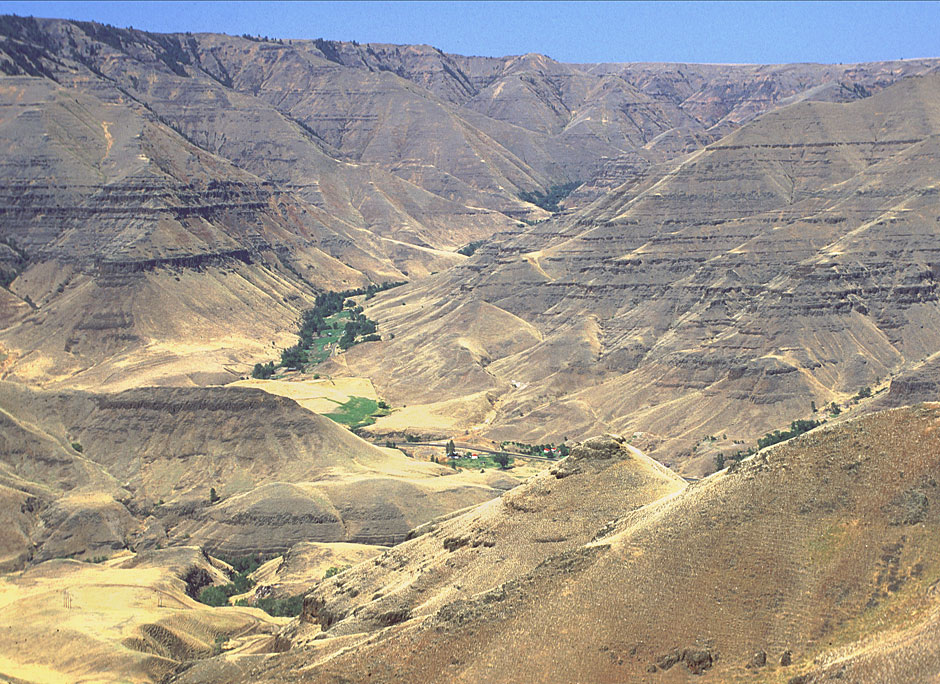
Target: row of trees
point(554, 451)
point(797, 428)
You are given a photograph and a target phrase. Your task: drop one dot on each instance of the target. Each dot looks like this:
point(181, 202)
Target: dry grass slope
point(815, 559)
point(789, 262)
point(149, 459)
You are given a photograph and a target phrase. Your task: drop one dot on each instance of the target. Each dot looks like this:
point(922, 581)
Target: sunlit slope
point(813, 558)
point(258, 171)
point(87, 475)
point(788, 263)
point(126, 620)
point(496, 542)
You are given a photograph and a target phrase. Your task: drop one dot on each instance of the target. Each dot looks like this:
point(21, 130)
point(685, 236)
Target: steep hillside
point(258, 172)
point(791, 262)
point(144, 250)
point(495, 542)
point(85, 475)
point(812, 561)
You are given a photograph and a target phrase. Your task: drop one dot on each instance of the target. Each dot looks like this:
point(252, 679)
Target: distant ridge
point(276, 169)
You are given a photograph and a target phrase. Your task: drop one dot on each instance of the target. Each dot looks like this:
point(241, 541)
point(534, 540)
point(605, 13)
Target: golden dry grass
point(320, 396)
point(127, 619)
point(825, 547)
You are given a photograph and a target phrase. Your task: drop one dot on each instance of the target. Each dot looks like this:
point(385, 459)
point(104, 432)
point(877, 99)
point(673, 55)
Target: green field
point(484, 461)
point(357, 412)
point(318, 352)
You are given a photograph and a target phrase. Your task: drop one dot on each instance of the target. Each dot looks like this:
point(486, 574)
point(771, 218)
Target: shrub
point(244, 564)
point(263, 371)
point(241, 583)
point(214, 596)
point(293, 356)
point(797, 427)
point(469, 249)
point(549, 200)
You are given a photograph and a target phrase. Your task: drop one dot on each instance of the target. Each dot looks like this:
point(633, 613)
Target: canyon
point(653, 265)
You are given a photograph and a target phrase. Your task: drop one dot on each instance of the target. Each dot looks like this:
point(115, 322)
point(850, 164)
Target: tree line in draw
point(315, 324)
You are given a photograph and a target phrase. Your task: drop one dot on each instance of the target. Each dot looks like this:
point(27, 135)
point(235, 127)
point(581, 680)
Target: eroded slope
point(86, 475)
point(791, 262)
point(813, 559)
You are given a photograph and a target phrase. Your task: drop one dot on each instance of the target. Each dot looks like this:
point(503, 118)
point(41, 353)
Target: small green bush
point(469, 249)
point(214, 596)
point(263, 371)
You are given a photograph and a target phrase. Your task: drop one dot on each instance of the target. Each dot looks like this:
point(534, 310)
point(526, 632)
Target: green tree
point(213, 596)
point(450, 450)
point(293, 356)
point(502, 459)
point(213, 496)
point(263, 371)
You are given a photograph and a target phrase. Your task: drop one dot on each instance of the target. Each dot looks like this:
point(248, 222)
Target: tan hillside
point(127, 620)
point(679, 257)
point(306, 564)
point(504, 538)
point(150, 457)
point(257, 172)
point(812, 561)
point(788, 263)
point(166, 264)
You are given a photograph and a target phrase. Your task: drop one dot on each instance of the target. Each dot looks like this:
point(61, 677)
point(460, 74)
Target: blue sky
point(572, 32)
